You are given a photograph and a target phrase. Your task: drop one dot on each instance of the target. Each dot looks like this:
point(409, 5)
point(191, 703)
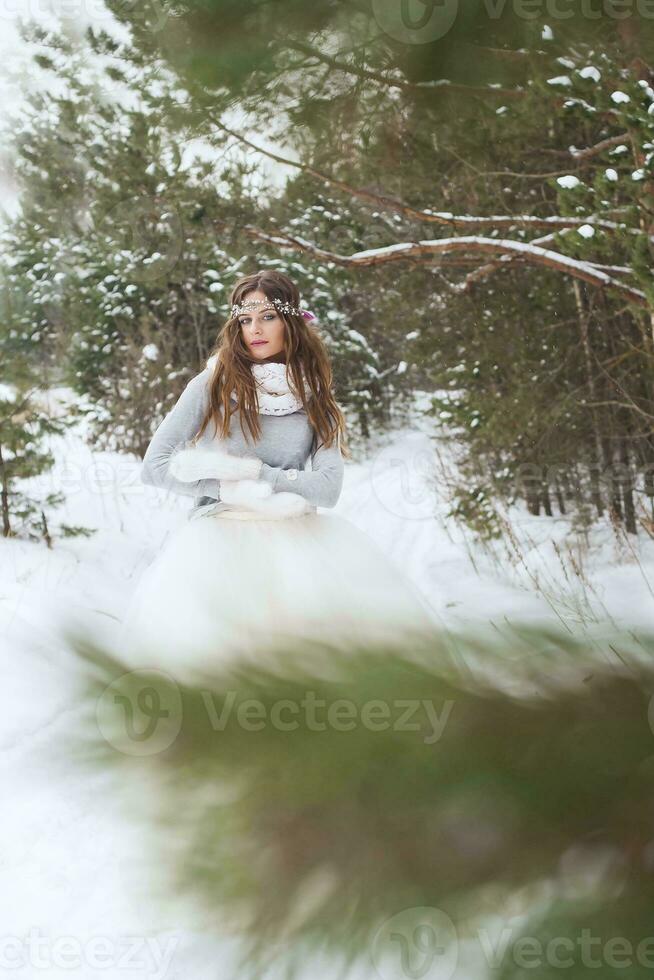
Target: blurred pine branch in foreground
point(305, 803)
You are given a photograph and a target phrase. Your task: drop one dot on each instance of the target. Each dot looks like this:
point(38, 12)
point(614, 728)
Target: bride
point(257, 565)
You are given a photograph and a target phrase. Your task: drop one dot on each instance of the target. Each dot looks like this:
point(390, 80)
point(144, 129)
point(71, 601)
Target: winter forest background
point(469, 216)
point(464, 193)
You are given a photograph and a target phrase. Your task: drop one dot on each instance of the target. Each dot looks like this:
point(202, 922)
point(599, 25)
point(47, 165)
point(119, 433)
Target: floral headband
point(277, 303)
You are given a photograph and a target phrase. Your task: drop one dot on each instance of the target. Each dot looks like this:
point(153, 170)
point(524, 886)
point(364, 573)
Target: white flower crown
point(279, 304)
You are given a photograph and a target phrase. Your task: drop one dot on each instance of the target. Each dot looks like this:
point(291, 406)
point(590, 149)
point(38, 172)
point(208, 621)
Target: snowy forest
point(469, 217)
point(464, 194)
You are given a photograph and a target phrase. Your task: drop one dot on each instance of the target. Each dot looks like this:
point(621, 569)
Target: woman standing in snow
point(256, 563)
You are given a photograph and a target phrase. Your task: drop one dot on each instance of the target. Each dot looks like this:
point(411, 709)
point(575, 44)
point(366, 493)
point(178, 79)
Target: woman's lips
point(257, 343)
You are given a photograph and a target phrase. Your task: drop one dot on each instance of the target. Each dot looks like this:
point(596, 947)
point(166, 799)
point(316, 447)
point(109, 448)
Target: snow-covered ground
point(71, 900)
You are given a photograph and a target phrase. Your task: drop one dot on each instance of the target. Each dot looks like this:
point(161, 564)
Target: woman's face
point(262, 327)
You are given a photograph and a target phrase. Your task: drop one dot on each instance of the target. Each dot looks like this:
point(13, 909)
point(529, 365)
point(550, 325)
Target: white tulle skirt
point(234, 584)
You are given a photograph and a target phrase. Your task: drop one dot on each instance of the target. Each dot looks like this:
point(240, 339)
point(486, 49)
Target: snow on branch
point(486, 270)
point(466, 244)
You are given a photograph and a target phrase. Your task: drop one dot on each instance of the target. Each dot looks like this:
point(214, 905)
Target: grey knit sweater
point(286, 442)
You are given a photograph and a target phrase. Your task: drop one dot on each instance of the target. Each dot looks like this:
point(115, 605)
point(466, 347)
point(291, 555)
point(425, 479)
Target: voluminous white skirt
point(234, 584)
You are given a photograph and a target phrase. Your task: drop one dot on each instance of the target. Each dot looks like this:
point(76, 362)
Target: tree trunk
point(627, 490)
point(4, 497)
point(533, 502)
point(615, 499)
point(584, 325)
point(559, 497)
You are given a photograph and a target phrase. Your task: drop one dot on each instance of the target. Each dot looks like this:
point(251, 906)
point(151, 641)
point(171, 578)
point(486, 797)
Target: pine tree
point(27, 422)
point(478, 775)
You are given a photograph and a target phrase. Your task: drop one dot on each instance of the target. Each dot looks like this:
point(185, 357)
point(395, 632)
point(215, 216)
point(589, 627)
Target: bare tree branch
point(401, 83)
point(438, 217)
point(591, 151)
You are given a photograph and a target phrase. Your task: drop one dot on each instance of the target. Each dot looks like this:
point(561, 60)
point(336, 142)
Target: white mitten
point(281, 505)
point(244, 492)
point(199, 463)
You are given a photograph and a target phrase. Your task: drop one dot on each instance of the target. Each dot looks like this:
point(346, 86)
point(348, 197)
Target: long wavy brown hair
point(305, 352)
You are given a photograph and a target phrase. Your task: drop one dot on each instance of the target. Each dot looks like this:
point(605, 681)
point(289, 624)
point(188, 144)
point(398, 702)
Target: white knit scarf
point(273, 389)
